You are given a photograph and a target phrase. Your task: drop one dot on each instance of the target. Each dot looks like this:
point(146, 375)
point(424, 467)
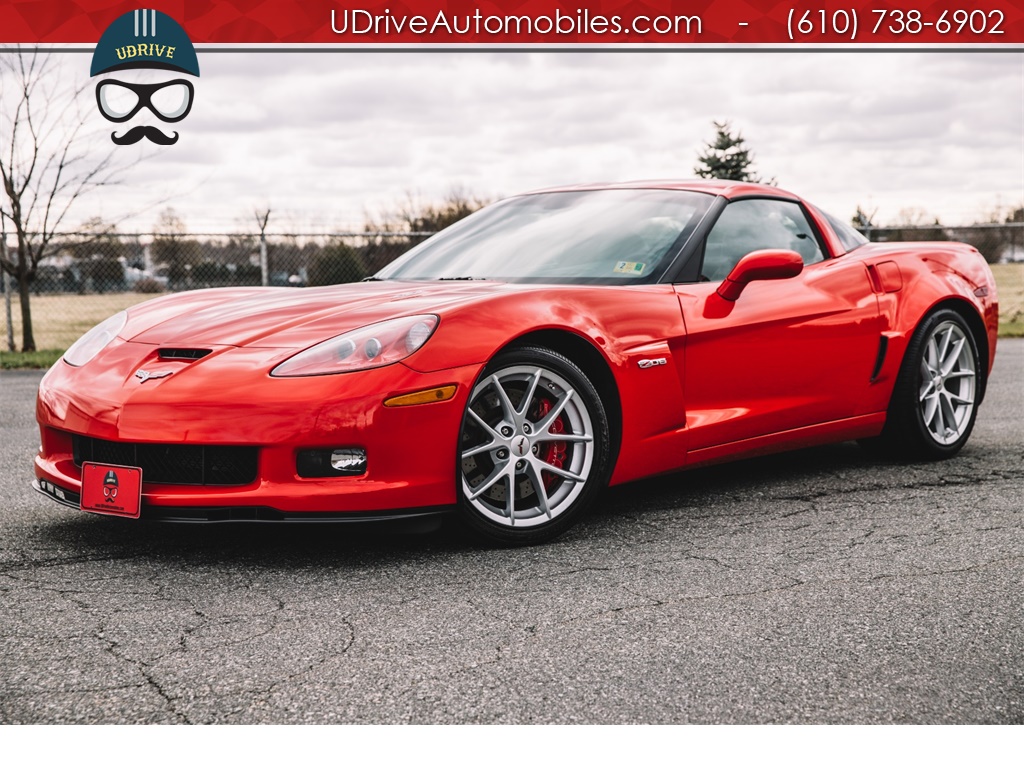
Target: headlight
point(87, 347)
point(373, 346)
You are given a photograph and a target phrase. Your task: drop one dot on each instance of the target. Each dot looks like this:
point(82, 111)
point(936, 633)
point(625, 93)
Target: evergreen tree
point(727, 157)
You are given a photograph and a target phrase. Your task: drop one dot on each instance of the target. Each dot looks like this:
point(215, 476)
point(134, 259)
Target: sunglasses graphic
point(109, 493)
point(119, 101)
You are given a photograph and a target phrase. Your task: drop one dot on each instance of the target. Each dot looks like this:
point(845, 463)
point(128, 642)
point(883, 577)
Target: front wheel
point(533, 449)
point(933, 405)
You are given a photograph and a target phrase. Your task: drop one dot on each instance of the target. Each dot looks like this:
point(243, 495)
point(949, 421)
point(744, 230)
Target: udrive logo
point(145, 40)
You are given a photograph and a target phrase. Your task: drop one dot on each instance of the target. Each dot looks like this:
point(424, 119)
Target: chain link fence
point(87, 277)
point(996, 242)
point(81, 263)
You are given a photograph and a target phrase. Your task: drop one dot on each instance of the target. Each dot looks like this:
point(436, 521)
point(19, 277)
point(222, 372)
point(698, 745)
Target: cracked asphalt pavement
point(817, 586)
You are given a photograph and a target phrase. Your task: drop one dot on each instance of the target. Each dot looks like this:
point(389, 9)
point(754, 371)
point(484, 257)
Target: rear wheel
point(534, 447)
point(933, 404)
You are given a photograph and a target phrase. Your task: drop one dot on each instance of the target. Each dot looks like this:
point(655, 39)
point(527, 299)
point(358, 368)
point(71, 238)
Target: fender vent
point(183, 354)
point(883, 347)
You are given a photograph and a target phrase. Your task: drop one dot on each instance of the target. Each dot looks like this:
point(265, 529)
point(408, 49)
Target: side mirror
point(770, 264)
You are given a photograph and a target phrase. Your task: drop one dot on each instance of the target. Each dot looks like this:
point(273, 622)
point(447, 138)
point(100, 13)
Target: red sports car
point(512, 366)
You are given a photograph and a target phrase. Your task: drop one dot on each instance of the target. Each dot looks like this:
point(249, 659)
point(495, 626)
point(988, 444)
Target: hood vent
point(183, 354)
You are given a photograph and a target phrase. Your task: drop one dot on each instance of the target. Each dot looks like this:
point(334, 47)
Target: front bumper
point(411, 450)
point(427, 516)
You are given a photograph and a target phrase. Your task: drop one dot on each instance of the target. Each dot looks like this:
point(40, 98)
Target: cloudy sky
point(323, 137)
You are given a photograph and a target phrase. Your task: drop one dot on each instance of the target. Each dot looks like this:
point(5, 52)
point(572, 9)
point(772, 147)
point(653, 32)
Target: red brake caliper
point(553, 451)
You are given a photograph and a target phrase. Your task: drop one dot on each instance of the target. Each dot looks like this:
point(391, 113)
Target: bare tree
point(169, 247)
point(414, 215)
point(413, 221)
point(45, 162)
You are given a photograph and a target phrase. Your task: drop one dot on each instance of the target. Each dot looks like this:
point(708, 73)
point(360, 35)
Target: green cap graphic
point(144, 39)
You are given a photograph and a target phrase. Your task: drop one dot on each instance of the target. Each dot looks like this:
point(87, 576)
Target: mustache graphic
point(144, 132)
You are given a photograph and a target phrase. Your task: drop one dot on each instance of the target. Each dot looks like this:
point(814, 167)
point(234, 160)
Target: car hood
point(289, 317)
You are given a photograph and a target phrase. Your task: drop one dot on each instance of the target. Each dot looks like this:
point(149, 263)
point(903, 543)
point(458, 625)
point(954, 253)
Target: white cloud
point(324, 136)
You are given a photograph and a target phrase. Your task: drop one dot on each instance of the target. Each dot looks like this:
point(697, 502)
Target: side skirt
point(853, 428)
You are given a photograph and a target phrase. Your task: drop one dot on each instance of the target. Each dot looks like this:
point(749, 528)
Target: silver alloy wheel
point(527, 448)
point(948, 383)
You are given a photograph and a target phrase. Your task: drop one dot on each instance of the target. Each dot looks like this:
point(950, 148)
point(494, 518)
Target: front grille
point(173, 464)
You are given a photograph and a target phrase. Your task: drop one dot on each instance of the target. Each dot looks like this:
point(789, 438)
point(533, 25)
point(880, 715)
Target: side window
point(751, 225)
point(848, 236)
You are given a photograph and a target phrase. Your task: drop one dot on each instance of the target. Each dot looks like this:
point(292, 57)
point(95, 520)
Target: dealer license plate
point(110, 489)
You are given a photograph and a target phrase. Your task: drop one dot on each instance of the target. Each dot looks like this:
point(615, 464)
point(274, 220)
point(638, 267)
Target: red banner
point(548, 22)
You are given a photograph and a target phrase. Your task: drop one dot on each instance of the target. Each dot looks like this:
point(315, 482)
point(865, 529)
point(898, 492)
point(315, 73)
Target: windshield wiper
point(462, 278)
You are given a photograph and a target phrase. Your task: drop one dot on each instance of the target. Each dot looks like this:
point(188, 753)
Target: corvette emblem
point(146, 375)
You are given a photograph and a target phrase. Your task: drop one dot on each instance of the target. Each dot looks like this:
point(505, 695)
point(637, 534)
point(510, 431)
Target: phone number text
point(847, 23)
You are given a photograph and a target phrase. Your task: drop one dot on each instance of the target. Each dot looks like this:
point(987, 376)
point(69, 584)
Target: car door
point(787, 353)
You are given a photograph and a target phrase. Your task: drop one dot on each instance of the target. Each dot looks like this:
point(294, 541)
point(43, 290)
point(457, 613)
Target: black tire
point(554, 465)
point(932, 418)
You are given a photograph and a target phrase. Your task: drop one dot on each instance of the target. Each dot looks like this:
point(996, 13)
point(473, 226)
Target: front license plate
point(110, 489)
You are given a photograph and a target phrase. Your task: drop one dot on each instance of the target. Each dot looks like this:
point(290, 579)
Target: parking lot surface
point(817, 586)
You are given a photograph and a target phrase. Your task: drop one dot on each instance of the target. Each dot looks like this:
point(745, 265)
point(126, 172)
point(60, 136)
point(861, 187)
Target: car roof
point(720, 187)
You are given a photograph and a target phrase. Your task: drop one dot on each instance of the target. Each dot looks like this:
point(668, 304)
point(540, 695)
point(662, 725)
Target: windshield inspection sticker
point(630, 267)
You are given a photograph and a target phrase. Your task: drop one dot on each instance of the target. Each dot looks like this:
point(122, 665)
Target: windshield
point(597, 236)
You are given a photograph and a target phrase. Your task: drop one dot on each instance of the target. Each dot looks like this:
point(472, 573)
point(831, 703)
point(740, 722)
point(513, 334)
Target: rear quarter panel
point(930, 275)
